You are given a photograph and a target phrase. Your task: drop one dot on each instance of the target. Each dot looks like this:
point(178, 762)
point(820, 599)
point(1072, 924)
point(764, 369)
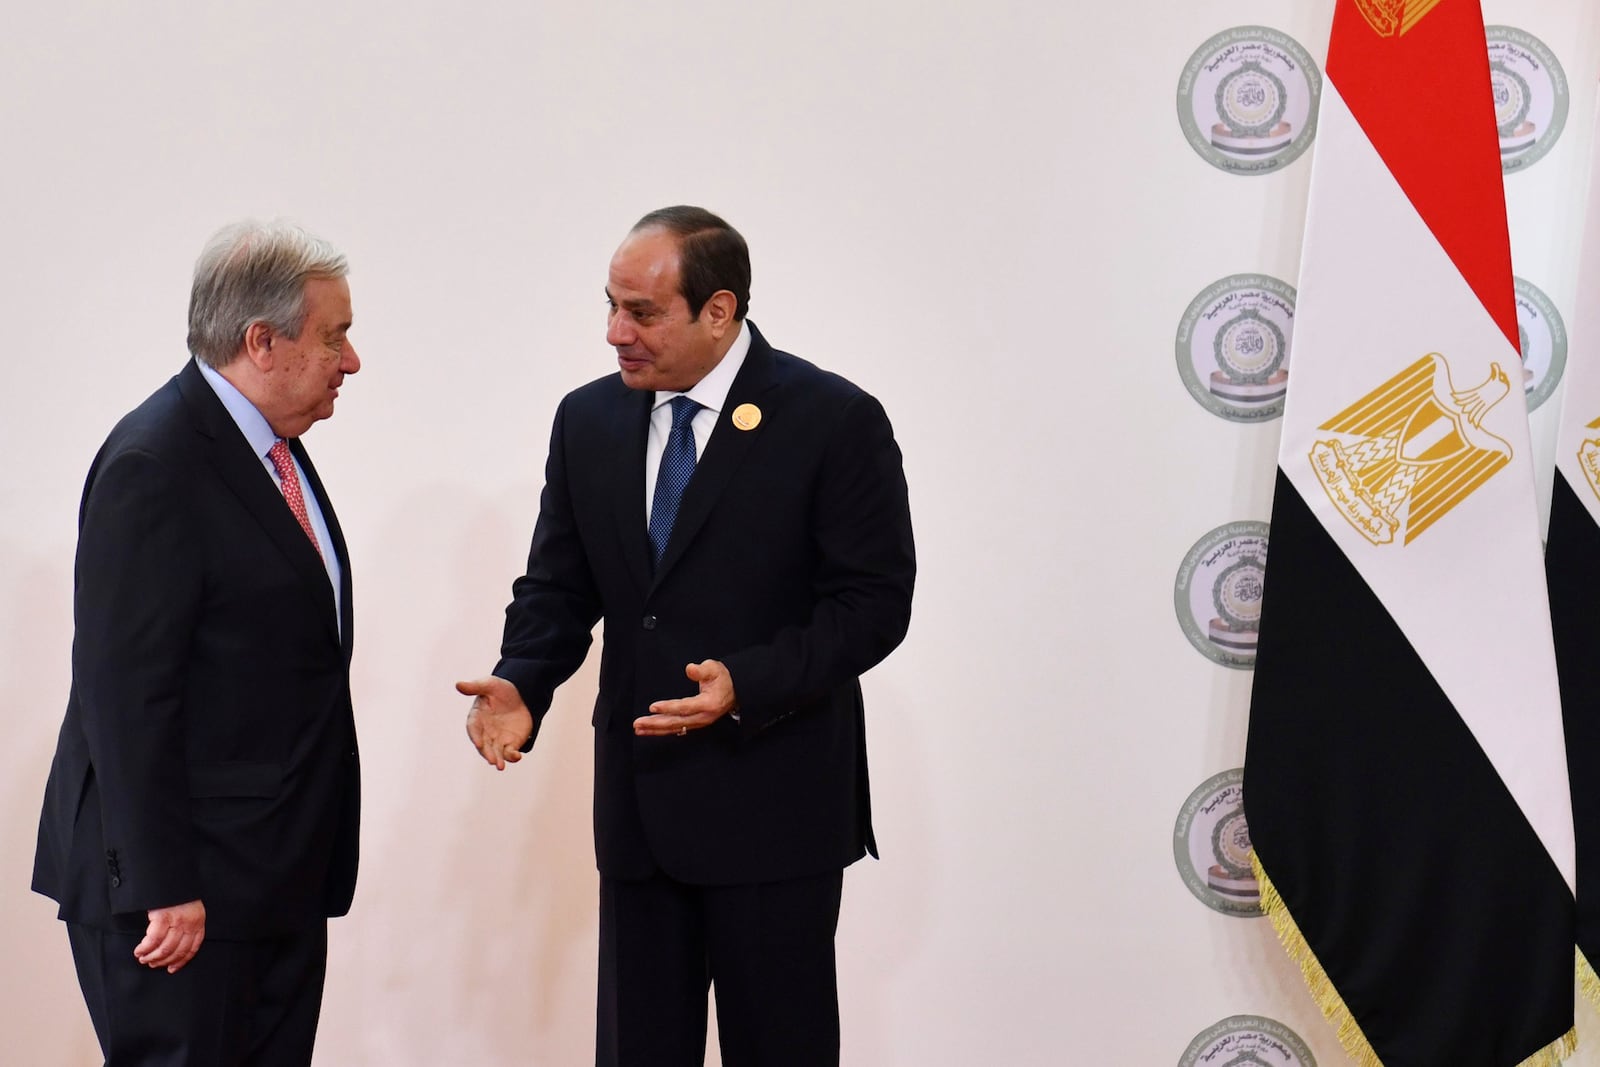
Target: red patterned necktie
point(289, 482)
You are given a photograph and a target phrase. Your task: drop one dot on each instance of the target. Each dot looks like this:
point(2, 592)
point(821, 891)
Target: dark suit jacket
point(791, 561)
point(208, 750)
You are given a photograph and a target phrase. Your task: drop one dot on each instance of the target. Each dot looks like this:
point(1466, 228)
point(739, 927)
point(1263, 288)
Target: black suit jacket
point(791, 561)
point(208, 750)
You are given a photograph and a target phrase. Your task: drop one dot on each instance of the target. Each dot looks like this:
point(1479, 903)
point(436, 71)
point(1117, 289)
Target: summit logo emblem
point(1531, 96)
point(1247, 100)
point(1247, 1041)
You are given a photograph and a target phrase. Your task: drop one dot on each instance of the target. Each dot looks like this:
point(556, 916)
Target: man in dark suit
point(738, 517)
point(200, 820)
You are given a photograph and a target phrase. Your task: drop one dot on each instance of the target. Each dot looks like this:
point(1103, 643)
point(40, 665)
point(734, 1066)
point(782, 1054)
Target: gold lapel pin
point(747, 416)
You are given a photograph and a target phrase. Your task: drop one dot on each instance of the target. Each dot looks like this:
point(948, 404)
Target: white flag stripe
point(1377, 293)
point(1580, 404)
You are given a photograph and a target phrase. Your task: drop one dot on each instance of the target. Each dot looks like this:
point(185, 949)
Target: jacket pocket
point(235, 778)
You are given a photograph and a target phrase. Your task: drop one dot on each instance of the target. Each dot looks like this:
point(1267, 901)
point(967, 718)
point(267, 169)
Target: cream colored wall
point(984, 213)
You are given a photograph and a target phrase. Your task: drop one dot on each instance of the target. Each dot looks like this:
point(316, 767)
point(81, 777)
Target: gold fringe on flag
point(1588, 981)
point(1333, 1006)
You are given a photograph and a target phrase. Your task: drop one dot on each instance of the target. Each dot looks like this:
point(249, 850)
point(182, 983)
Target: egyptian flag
point(1572, 560)
point(1405, 777)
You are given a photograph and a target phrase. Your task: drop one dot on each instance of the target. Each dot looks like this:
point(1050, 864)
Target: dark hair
point(711, 256)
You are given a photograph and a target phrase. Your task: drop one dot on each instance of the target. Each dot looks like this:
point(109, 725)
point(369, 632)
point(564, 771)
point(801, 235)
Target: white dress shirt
point(711, 393)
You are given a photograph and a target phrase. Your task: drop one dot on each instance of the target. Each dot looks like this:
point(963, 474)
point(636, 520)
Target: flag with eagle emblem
point(1405, 773)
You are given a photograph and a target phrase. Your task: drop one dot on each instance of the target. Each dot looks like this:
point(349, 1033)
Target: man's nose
point(619, 331)
point(349, 362)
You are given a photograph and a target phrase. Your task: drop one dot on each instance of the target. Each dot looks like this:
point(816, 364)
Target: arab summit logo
point(1233, 347)
point(1531, 97)
point(1211, 845)
point(1247, 1041)
point(1411, 450)
point(1542, 340)
point(1247, 100)
point(1217, 593)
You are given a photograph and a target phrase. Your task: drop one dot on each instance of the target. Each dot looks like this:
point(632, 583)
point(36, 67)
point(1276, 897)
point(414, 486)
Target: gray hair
point(254, 272)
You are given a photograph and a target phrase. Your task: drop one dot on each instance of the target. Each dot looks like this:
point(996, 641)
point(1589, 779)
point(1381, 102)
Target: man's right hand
point(499, 723)
point(173, 936)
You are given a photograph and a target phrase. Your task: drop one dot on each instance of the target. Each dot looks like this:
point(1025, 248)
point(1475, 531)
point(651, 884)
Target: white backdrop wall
point(985, 214)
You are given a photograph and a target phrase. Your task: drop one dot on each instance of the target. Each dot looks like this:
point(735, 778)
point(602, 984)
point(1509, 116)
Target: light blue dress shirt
point(258, 432)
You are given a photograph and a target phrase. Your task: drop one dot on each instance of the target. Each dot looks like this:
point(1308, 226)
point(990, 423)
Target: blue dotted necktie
point(677, 466)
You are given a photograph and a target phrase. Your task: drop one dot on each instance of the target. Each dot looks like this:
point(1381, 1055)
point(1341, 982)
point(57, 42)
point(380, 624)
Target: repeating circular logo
point(1233, 346)
point(1530, 96)
point(1247, 100)
point(1543, 338)
point(1247, 1041)
point(1218, 593)
point(1211, 845)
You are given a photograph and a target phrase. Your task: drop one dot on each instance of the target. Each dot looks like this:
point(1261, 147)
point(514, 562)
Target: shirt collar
point(712, 390)
point(250, 421)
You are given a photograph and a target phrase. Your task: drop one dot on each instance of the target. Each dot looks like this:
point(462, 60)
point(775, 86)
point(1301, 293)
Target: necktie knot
point(282, 461)
point(683, 412)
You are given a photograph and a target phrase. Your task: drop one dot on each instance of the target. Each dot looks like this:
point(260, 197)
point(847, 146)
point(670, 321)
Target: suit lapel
point(632, 423)
point(723, 453)
point(245, 475)
point(336, 535)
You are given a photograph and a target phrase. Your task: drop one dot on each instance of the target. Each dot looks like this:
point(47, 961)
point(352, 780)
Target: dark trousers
point(767, 948)
point(236, 1004)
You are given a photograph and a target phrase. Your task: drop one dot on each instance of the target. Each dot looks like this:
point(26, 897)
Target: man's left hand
point(173, 936)
point(715, 699)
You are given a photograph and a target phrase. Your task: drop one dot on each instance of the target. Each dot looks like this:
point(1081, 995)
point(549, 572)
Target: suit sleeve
point(554, 605)
point(866, 567)
point(137, 599)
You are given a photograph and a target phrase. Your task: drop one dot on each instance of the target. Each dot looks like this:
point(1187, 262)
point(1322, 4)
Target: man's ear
point(718, 312)
point(258, 345)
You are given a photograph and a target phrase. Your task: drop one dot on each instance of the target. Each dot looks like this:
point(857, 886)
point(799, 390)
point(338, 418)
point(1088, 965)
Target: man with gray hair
point(200, 821)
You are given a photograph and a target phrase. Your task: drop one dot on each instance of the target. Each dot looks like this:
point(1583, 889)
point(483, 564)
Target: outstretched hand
point(498, 723)
point(715, 699)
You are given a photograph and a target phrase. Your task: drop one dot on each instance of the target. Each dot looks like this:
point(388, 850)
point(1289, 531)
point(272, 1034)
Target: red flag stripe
point(1439, 142)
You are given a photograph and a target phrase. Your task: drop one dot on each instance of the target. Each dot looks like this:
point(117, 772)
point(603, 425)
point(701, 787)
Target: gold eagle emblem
point(1419, 449)
point(1394, 18)
point(1589, 459)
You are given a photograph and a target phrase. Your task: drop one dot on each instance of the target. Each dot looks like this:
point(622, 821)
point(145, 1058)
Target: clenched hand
point(173, 936)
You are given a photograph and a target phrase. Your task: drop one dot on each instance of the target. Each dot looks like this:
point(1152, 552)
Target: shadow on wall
point(34, 677)
point(474, 924)
point(885, 920)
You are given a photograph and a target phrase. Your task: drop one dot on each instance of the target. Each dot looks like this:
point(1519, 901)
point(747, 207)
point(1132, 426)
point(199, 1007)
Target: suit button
point(649, 622)
point(116, 881)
